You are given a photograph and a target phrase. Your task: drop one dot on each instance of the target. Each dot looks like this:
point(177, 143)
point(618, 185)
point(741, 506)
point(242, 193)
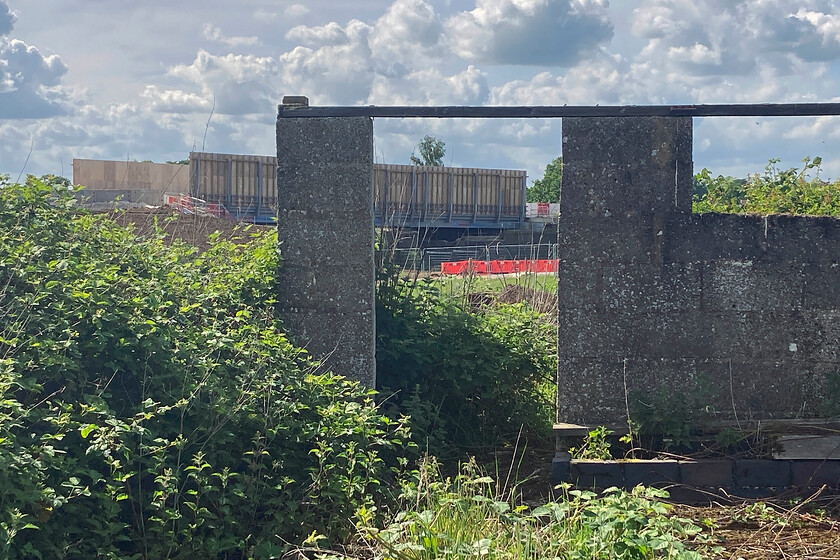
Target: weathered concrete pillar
point(623, 178)
point(325, 230)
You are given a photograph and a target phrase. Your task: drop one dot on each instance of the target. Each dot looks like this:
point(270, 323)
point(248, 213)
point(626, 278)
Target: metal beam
point(531, 112)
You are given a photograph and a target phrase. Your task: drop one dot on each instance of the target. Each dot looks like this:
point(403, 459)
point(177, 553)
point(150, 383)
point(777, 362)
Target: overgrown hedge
point(151, 405)
point(470, 378)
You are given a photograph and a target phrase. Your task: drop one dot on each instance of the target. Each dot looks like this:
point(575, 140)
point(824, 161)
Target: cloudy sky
point(128, 79)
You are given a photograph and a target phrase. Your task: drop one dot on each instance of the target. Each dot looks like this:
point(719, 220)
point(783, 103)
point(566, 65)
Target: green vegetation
point(432, 152)
point(474, 517)
point(460, 286)
point(547, 189)
point(152, 407)
point(467, 378)
point(790, 191)
point(596, 446)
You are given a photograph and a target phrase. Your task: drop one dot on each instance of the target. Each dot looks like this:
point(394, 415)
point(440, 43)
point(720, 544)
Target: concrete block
point(803, 238)
point(589, 390)
point(774, 389)
point(815, 473)
point(695, 496)
point(317, 141)
point(705, 237)
point(341, 187)
point(343, 342)
point(651, 473)
point(821, 286)
point(650, 287)
point(747, 285)
point(633, 333)
point(308, 238)
point(808, 446)
point(762, 473)
point(579, 285)
point(708, 473)
point(596, 474)
point(327, 287)
point(637, 158)
point(561, 467)
point(791, 337)
point(592, 239)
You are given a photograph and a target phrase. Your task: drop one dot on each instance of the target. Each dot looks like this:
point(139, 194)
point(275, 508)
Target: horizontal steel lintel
point(532, 112)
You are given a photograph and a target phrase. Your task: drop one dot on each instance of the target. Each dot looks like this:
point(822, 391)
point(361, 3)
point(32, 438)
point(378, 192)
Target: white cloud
point(326, 35)
point(530, 32)
point(734, 38)
point(240, 84)
point(408, 30)
point(340, 70)
point(821, 35)
point(175, 101)
point(430, 87)
point(30, 83)
point(214, 33)
point(602, 79)
point(296, 10)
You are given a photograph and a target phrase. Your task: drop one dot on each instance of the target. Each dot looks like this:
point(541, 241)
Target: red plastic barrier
point(498, 267)
point(453, 267)
point(479, 267)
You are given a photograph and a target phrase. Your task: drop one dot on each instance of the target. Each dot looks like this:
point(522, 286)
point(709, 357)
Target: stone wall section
point(746, 308)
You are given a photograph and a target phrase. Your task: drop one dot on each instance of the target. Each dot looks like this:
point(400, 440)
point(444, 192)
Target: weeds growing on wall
point(151, 405)
point(468, 378)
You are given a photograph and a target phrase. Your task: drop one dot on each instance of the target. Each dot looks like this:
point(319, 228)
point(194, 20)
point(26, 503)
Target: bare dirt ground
point(752, 530)
point(192, 229)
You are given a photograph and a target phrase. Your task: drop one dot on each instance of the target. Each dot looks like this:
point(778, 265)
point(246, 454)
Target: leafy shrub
point(596, 446)
point(467, 378)
point(776, 191)
point(151, 405)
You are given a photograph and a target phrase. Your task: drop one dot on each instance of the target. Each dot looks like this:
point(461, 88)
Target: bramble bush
point(789, 191)
point(468, 378)
point(151, 405)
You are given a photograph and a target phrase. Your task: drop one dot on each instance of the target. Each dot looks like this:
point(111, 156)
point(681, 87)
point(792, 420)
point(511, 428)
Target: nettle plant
point(151, 405)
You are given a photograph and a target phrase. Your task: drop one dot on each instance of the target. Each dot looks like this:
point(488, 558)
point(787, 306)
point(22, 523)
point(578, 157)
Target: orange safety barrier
point(498, 267)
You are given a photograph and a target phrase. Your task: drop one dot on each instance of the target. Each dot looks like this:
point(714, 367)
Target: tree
point(431, 150)
point(547, 189)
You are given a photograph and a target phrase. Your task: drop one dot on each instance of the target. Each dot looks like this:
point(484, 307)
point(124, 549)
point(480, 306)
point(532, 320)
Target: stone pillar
point(325, 230)
point(623, 179)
